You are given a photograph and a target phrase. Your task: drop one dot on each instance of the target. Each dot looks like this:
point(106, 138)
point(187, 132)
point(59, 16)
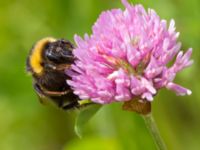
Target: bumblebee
point(47, 62)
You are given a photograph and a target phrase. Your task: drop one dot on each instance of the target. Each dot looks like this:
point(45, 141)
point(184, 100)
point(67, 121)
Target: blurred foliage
point(26, 124)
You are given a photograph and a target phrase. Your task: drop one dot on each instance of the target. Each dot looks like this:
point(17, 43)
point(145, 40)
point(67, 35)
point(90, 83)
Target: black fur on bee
point(47, 62)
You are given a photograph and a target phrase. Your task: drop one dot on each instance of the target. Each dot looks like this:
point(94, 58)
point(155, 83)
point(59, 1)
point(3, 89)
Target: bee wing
point(42, 98)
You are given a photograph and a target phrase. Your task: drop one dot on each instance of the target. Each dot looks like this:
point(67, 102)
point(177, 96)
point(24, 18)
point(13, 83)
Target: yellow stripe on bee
point(36, 56)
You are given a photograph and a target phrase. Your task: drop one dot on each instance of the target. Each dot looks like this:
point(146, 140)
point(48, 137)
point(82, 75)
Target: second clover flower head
point(127, 57)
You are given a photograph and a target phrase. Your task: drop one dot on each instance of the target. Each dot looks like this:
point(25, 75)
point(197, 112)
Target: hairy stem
point(151, 125)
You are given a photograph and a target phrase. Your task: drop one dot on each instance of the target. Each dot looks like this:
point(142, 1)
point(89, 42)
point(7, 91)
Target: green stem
point(151, 125)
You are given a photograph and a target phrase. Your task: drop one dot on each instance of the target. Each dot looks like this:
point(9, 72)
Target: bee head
point(59, 52)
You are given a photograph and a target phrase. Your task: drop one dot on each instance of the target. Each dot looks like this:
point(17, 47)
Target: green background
point(25, 124)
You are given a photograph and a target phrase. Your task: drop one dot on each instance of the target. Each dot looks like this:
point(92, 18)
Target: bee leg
point(76, 104)
point(69, 106)
point(56, 93)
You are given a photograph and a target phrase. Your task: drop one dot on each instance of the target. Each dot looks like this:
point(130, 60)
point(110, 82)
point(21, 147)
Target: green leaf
point(84, 116)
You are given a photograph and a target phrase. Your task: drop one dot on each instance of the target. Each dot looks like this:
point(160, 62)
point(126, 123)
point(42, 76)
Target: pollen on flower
point(134, 41)
point(127, 57)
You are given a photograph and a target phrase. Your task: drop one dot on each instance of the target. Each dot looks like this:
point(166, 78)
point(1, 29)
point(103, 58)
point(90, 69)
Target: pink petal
point(178, 89)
